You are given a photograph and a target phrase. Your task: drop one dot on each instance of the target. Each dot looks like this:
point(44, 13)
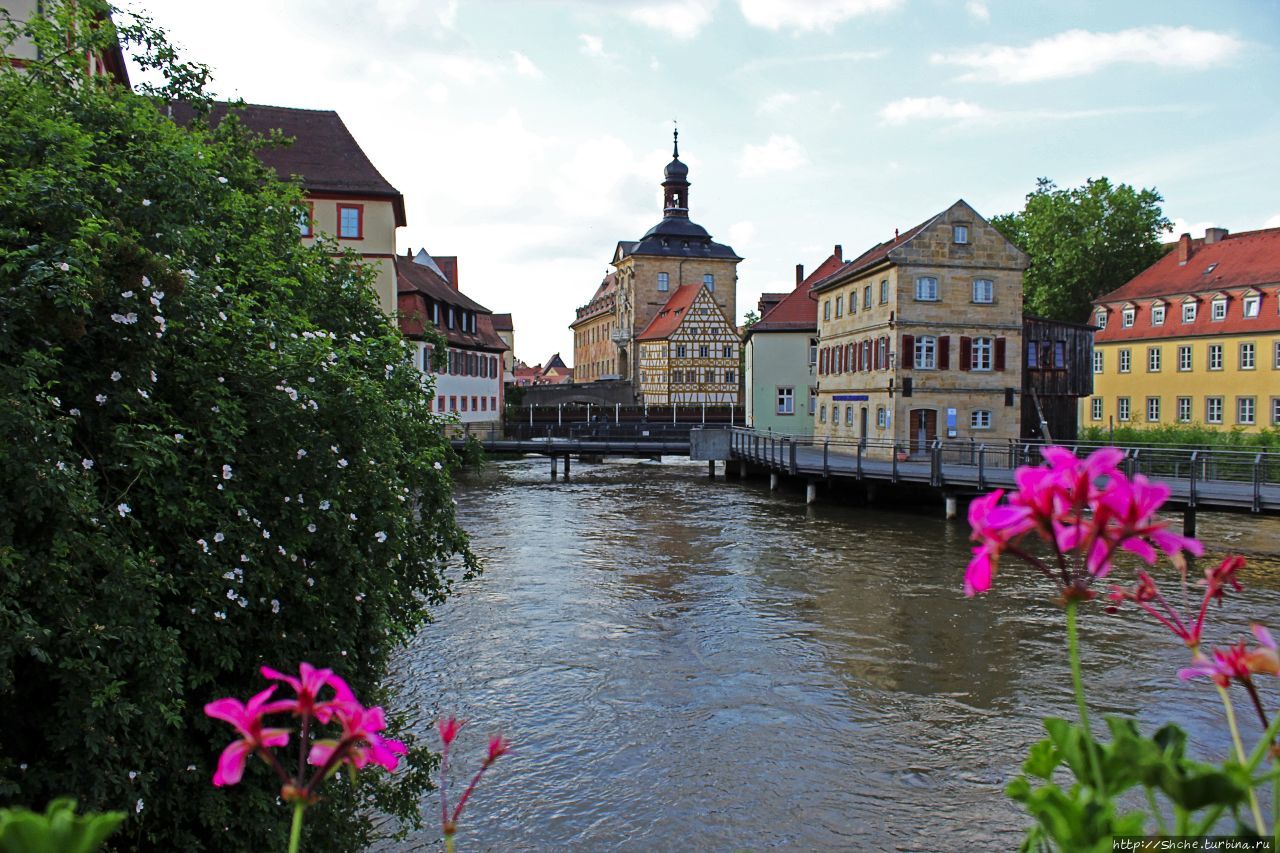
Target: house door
point(923, 425)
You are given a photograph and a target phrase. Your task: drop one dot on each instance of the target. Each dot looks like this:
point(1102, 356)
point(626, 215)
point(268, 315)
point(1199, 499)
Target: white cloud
point(806, 59)
point(654, 64)
point(684, 19)
point(780, 154)
point(1272, 221)
point(906, 110)
point(448, 16)
point(524, 65)
point(978, 10)
point(592, 45)
point(776, 103)
point(463, 68)
point(807, 15)
point(742, 235)
point(1182, 226)
point(1078, 52)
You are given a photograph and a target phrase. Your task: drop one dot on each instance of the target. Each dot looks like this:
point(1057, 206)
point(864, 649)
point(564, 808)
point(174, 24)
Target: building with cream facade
point(921, 338)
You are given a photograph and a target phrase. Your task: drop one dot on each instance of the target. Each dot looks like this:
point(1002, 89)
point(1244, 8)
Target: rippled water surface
point(685, 664)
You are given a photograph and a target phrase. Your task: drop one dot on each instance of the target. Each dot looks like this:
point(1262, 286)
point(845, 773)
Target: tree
point(217, 455)
point(1083, 242)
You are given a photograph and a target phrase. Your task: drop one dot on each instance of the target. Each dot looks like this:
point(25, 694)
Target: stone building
point(595, 355)
point(921, 338)
point(689, 352)
point(673, 254)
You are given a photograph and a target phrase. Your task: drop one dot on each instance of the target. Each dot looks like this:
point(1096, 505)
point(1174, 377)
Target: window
point(1153, 410)
point(1213, 410)
point(306, 223)
point(440, 403)
point(730, 376)
point(1125, 361)
point(848, 415)
point(1097, 361)
point(1100, 319)
point(1184, 357)
point(1188, 312)
point(826, 309)
point(704, 351)
point(840, 306)
point(1247, 351)
point(351, 221)
point(1033, 354)
point(1157, 315)
point(493, 404)
point(1275, 357)
point(980, 419)
point(451, 317)
point(1126, 318)
point(980, 359)
point(1251, 306)
point(1219, 310)
point(1246, 410)
point(1122, 408)
point(835, 414)
point(709, 282)
point(1095, 408)
point(926, 352)
point(927, 289)
point(960, 233)
point(1275, 411)
point(1153, 359)
point(813, 352)
point(727, 349)
point(884, 291)
point(1060, 354)
point(1184, 410)
point(866, 297)
point(813, 401)
point(682, 351)
point(853, 301)
point(453, 404)
point(484, 404)
point(822, 413)
point(1215, 356)
point(984, 290)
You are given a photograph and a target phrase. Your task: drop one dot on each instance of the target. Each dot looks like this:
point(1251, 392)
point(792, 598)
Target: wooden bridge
point(1206, 479)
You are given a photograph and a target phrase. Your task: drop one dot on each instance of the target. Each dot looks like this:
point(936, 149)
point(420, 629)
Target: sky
point(529, 136)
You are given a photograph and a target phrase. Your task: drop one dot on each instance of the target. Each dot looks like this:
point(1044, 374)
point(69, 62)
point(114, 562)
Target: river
point(708, 665)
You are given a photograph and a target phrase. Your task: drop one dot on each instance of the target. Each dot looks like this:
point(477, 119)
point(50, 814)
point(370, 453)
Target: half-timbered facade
point(689, 352)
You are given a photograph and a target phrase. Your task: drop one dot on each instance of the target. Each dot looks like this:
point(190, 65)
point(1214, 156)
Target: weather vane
point(675, 138)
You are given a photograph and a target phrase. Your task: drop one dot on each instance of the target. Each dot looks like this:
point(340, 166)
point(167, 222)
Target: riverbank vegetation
point(1184, 436)
point(217, 455)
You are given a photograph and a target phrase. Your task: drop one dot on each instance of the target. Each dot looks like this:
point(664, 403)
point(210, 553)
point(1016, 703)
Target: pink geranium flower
point(448, 727)
point(306, 687)
point(360, 727)
point(247, 719)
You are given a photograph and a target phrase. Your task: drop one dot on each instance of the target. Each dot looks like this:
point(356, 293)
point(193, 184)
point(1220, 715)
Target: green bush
point(58, 830)
point(1190, 435)
point(216, 455)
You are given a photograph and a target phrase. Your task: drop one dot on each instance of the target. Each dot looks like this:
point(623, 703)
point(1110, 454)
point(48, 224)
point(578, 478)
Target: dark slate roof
point(324, 154)
point(411, 276)
point(677, 237)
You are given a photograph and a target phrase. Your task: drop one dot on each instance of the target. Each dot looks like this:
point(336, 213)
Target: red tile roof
point(798, 311)
point(1234, 265)
point(875, 255)
point(503, 323)
point(668, 318)
point(417, 285)
point(323, 153)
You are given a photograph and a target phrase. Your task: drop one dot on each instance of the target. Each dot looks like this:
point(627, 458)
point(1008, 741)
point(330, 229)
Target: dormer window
point(1219, 310)
point(1188, 312)
point(1157, 315)
point(1100, 319)
point(451, 317)
point(1251, 306)
point(1126, 318)
point(435, 313)
point(960, 234)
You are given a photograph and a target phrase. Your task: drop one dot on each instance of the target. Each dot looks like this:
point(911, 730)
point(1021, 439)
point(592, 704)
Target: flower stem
point(448, 843)
point(1259, 825)
point(295, 832)
point(1077, 682)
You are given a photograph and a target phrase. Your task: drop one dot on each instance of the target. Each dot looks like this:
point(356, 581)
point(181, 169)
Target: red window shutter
point(999, 353)
point(944, 352)
point(966, 352)
point(908, 359)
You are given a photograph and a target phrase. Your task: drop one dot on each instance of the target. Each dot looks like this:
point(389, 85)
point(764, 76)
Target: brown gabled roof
point(323, 154)
point(416, 283)
point(798, 311)
point(503, 323)
point(668, 318)
point(422, 278)
point(877, 254)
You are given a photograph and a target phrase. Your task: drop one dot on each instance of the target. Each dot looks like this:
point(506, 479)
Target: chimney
point(1184, 249)
point(799, 274)
point(839, 252)
point(895, 233)
point(1213, 235)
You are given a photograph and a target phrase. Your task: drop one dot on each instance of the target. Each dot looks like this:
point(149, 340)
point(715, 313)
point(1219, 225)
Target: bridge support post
point(811, 492)
point(742, 469)
point(1189, 520)
point(566, 466)
point(950, 503)
point(773, 481)
point(871, 493)
point(554, 463)
point(711, 469)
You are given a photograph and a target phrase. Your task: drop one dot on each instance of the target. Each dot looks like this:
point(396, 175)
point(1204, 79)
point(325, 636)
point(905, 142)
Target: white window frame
point(1127, 317)
point(848, 415)
point(704, 350)
point(1126, 360)
point(1188, 312)
point(1251, 306)
point(882, 417)
point(1157, 315)
point(1184, 410)
point(1218, 311)
point(1154, 359)
point(884, 291)
point(709, 282)
point(980, 419)
point(1100, 320)
point(1185, 358)
point(822, 413)
point(926, 355)
point(960, 235)
point(1123, 410)
point(1248, 355)
point(786, 400)
point(1095, 408)
point(1097, 361)
point(982, 354)
point(1153, 410)
point(1215, 356)
point(926, 292)
point(813, 401)
point(984, 291)
point(826, 309)
point(839, 307)
point(866, 298)
point(1213, 410)
point(1246, 410)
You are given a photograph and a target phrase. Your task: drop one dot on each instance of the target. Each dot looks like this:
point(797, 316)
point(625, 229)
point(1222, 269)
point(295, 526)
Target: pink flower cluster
point(1085, 509)
point(358, 742)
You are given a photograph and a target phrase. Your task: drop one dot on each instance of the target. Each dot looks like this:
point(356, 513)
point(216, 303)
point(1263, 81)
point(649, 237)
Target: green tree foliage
point(1083, 242)
point(216, 454)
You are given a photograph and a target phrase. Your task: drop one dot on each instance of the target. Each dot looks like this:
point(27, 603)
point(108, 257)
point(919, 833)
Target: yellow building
point(689, 352)
point(920, 338)
point(595, 355)
point(672, 254)
point(1194, 338)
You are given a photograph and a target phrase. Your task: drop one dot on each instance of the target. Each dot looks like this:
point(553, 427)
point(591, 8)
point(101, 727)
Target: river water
point(697, 665)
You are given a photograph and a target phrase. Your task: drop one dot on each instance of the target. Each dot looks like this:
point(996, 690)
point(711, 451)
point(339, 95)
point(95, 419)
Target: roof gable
point(684, 303)
point(797, 311)
point(1247, 259)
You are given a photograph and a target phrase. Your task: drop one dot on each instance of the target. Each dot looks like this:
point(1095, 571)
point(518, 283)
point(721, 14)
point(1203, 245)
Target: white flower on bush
point(437, 466)
point(146, 202)
point(275, 605)
point(102, 399)
point(342, 463)
point(116, 376)
point(226, 472)
point(75, 413)
point(218, 537)
point(87, 463)
point(124, 509)
point(221, 179)
point(128, 294)
point(311, 528)
point(64, 266)
point(204, 546)
point(301, 453)
point(380, 536)
point(221, 615)
point(325, 504)
point(138, 806)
